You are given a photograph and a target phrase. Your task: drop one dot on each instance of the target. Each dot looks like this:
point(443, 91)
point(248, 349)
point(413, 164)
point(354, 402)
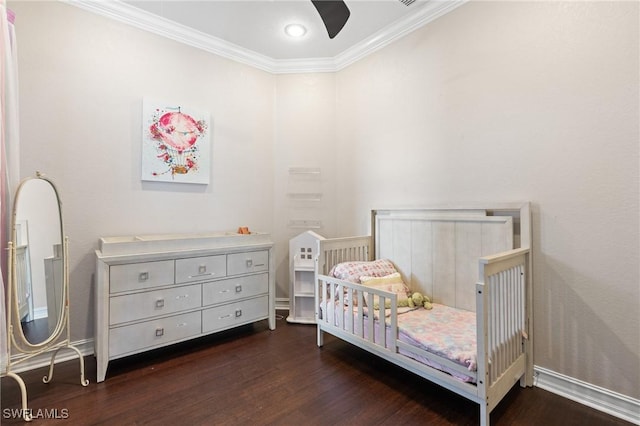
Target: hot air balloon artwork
point(175, 144)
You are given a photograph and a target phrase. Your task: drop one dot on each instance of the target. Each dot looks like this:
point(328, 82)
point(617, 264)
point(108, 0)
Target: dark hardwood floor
point(253, 376)
point(36, 330)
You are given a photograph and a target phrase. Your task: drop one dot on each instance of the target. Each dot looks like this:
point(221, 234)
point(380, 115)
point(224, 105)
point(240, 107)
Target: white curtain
point(9, 152)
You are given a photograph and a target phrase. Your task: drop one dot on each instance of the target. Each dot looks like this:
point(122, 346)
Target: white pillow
point(392, 283)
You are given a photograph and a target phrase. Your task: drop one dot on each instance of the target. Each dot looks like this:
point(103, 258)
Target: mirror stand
point(38, 267)
point(59, 339)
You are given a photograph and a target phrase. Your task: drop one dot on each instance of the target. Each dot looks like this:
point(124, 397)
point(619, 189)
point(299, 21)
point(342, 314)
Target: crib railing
point(345, 311)
point(338, 250)
point(502, 312)
point(342, 305)
point(502, 317)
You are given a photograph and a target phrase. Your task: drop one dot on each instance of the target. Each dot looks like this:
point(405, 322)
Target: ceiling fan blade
point(334, 14)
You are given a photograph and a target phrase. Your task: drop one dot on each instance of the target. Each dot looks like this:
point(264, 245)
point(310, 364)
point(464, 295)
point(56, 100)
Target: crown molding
point(297, 66)
point(122, 12)
point(431, 11)
point(146, 21)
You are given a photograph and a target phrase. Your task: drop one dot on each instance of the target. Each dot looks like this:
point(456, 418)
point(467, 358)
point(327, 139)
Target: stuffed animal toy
point(417, 300)
point(402, 303)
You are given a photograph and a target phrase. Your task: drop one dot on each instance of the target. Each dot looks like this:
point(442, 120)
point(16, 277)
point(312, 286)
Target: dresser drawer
point(138, 276)
point(234, 288)
point(200, 268)
point(244, 263)
point(135, 337)
point(232, 314)
point(132, 307)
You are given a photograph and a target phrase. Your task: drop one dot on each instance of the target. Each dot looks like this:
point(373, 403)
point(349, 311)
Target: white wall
point(82, 80)
point(496, 101)
point(305, 138)
point(509, 101)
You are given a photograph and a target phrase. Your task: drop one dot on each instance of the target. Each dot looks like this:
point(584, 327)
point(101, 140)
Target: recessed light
point(295, 30)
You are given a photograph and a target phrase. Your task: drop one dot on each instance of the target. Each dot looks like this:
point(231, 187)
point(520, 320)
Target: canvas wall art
point(176, 145)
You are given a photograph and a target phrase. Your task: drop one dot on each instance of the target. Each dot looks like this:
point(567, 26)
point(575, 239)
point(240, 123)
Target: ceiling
point(252, 31)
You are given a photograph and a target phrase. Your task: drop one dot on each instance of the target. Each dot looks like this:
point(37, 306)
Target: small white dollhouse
point(302, 254)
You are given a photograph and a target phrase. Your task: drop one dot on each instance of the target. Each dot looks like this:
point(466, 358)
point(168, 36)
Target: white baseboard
point(601, 399)
point(44, 359)
point(282, 303)
point(41, 312)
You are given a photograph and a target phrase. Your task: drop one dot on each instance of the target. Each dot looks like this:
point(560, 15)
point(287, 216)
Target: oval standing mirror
point(38, 305)
point(37, 236)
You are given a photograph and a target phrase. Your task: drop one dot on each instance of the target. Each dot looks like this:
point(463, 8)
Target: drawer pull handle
point(160, 303)
point(143, 276)
point(159, 332)
point(259, 264)
point(225, 316)
point(182, 324)
point(238, 288)
point(206, 274)
point(183, 296)
point(238, 313)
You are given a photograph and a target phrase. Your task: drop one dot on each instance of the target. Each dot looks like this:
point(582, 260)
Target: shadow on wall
point(77, 278)
point(576, 341)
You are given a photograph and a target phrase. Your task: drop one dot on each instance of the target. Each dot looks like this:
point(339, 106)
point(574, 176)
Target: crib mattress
point(444, 331)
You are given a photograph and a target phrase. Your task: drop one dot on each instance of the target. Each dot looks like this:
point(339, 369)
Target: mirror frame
point(16, 339)
point(15, 331)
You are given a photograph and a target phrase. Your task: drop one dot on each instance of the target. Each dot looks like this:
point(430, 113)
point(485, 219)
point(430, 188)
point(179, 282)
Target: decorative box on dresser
point(156, 290)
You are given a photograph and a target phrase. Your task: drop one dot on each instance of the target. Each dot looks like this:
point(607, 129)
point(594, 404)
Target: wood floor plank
point(254, 376)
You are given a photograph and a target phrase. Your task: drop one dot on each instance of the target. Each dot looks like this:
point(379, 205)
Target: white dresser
point(156, 290)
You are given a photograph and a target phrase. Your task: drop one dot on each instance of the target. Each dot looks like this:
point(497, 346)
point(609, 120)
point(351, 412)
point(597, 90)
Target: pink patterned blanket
point(444, 331)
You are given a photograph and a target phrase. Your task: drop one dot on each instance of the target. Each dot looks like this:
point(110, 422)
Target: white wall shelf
point(304, 171)
point(305, 224)
point(305, 196)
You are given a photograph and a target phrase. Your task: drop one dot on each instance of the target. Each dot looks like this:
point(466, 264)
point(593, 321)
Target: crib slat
point(360, 316)
point(323, 302)
point(370, 323)
point(503, 332)
point(505, 319)
point(382, 332)
point(349, 318)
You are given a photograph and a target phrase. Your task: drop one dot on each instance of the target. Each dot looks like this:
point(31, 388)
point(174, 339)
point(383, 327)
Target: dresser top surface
point(163, 243)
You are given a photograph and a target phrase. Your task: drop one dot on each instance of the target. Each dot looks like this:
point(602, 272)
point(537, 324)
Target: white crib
point(475, 259)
